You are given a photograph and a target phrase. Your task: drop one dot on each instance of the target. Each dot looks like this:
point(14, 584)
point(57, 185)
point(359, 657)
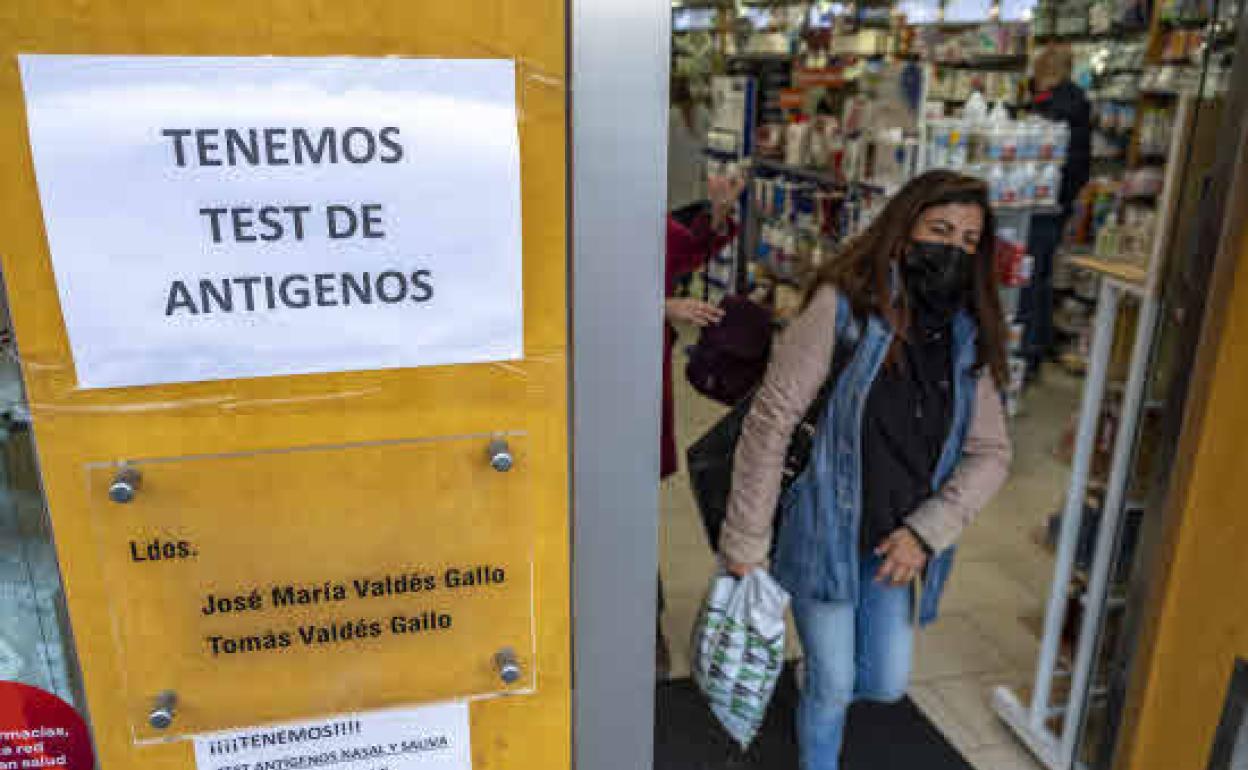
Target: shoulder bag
point(710, 458)
point(730, 357)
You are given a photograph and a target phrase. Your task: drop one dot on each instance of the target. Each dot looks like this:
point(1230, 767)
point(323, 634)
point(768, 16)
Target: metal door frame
point(618, 59)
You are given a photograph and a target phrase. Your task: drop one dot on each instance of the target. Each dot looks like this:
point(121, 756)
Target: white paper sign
point(213, 218)
point(426, 738)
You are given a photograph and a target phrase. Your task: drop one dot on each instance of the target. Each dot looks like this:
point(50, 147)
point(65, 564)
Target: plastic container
point(1047, 182)
point(1049, 137)
point(997, 192)
point(1012, 192)
point(1062, 143)
point(822, 141)
point(938, 155)
point(990, 144)
point(977, 170)
point(976, 109)
point(796, 142)
point(1107, 241)
point(1031, 135)
point(999, 116)
point(1009, 138)
point(959, 146)
point(1026, 176)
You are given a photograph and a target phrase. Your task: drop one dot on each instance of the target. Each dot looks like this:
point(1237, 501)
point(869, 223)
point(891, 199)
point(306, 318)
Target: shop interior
point(826, 108)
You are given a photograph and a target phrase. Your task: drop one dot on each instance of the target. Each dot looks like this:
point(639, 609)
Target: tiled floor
point(980, 641)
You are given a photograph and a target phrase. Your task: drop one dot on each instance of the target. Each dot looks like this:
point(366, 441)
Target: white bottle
point(976, 109)
point(939, 134)
point(853, 159)
point(1000, 115)
point(1046, 185)
point(1015, 181)
point(1048, 140)
point(1031, 137)
point(819, 147)
point(959, 146)
point(795, 142)
point(997, 193)
point(1026, 178)
point(1062, 141)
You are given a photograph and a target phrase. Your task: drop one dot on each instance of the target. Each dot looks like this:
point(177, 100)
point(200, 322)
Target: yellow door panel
point(326, 478)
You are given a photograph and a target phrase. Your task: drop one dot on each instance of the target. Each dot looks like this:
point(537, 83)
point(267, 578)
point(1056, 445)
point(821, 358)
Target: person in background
point(692, 227)
point(687, 124)
point(1055, 97)
point(694, 233)
point(912, 445)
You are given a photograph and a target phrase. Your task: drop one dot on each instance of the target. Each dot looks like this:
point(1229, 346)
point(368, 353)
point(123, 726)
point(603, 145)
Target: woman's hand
point(904, 557)
point(693, 311)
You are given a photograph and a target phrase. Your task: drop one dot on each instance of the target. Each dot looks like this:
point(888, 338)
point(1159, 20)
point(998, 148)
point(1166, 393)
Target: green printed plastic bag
point(738, 650)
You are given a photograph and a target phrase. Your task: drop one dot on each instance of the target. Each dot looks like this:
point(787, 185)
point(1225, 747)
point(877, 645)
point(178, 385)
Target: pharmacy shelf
point(1035, 209)
point(1002, 62)
point(812, 175)
point(1123, 271)
point(1188, 23)
point(1117, 34)
point(963, 100)
point(799, 172)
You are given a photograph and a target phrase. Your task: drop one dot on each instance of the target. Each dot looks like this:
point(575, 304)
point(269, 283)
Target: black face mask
point(937, 277)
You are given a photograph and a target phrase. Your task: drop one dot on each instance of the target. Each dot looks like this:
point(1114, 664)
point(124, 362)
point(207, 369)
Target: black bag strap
point(843, 349)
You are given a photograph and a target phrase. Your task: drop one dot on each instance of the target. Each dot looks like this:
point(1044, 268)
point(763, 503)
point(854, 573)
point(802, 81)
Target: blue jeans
point(852, 652)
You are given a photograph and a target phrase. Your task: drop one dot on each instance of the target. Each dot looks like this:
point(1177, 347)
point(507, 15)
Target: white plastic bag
point(738, 650)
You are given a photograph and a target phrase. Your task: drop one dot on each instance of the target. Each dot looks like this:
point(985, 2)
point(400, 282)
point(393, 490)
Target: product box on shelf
point(1020, 160)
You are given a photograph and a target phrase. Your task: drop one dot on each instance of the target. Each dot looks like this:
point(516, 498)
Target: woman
point(693, 235)
point(912, 445)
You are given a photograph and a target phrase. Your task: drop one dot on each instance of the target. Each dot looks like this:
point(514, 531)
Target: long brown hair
point(863, 271)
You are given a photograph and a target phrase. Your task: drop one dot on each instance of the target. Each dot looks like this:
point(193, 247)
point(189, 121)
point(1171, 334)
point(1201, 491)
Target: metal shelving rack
point(1030, 720)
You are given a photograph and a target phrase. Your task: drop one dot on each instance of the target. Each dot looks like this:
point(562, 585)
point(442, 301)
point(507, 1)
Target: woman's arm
point(690, 246)
point(799, 364)
point(979, 475)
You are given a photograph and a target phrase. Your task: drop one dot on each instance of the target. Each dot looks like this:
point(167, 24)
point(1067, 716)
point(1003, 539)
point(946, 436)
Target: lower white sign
point(425, 738)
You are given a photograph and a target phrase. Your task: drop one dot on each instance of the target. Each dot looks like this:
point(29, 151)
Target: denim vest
point(818, 546)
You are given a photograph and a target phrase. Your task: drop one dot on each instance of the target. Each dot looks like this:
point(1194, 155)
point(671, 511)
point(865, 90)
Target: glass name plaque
point(259, 587)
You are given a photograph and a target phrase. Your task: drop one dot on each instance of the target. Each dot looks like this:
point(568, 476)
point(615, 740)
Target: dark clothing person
point(1036, 302)
point(904, 427)
point(1066, 103)
point(691, 240)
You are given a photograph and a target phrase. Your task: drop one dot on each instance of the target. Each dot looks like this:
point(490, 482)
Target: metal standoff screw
point(507, 666)
point(163, 709)
point(125, 485)
point(500, 455)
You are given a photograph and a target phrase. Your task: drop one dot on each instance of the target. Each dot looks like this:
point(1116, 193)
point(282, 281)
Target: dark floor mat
point(878, 737)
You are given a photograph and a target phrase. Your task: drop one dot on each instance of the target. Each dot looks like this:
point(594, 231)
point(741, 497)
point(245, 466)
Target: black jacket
point(1067, 103)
